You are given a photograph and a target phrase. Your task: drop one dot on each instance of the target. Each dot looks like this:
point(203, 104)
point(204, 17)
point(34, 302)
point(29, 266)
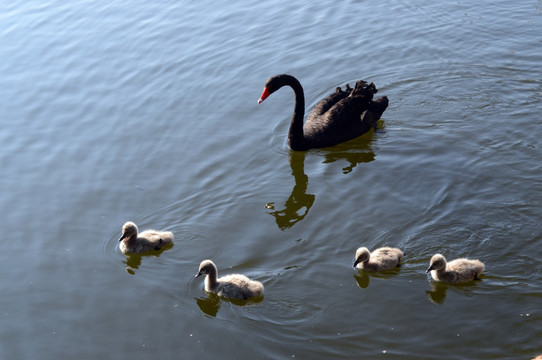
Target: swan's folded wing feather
point(325, 104)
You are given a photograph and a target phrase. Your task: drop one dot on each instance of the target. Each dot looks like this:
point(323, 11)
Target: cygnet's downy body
point(132, 242)
point(385, 258)
point(233, 286)
point(456, 271)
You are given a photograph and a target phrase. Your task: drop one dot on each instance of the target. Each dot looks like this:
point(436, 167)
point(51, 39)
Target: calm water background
point(146, 111)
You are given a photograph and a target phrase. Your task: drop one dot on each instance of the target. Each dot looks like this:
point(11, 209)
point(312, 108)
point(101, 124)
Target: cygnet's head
point(128, 230)
point(362, 255)
point(206, 267)
point(437, 262)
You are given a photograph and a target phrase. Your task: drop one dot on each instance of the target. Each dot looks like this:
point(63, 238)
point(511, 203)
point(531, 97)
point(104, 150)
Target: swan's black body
point(342, 116)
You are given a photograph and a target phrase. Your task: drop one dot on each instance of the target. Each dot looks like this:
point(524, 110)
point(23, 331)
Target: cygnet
point(384, 258)
point(234, 286)
point(456, 271)
point(148, 240)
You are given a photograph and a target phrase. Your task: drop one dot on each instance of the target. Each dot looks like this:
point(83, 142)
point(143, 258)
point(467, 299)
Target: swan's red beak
point(264, 96)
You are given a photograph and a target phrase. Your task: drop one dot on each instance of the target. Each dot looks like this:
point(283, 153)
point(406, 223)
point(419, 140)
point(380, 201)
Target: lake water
point(147, 111)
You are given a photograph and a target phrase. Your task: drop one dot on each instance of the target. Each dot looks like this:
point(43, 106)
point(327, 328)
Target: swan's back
point(387, 257)
point(237, 286)
point(156, 237)
point(325, 104)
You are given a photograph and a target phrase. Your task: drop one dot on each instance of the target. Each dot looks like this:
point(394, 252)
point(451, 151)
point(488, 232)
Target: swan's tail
point(347, 89)
point(364, 89)
point(379, 106)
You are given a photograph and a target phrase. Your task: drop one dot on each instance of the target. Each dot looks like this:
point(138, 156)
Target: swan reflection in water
point(299, 202)
point(437, 294)
point(354, 152)
point(211, 304)
point(363, 276)
point(133, 260)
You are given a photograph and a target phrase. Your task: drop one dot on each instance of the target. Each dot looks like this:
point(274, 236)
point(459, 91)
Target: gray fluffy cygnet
point(456, 271)
point(149, 240)
point(233, 286)
point(385, 258)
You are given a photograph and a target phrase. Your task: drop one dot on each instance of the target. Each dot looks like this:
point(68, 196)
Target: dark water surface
point(146, 111)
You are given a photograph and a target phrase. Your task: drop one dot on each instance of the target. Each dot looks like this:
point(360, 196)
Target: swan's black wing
point(325, 104)
point(340, 123)
point(346, 119)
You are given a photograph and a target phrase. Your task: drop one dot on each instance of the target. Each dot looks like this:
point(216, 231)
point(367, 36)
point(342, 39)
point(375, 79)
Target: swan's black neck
point(296, 139)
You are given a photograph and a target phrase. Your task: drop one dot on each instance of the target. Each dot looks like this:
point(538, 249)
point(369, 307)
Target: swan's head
point(362, 255)
point(206, 267)
point(437, 262)
point(129, 229)
point(276, 82)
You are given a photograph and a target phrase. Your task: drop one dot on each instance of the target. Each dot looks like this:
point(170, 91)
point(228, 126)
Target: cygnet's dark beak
point(356, 262)
point(122, 237)
point(429, 269)
point(198, 275)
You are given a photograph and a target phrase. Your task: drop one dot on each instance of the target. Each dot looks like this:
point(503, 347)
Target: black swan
point(342, 116)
